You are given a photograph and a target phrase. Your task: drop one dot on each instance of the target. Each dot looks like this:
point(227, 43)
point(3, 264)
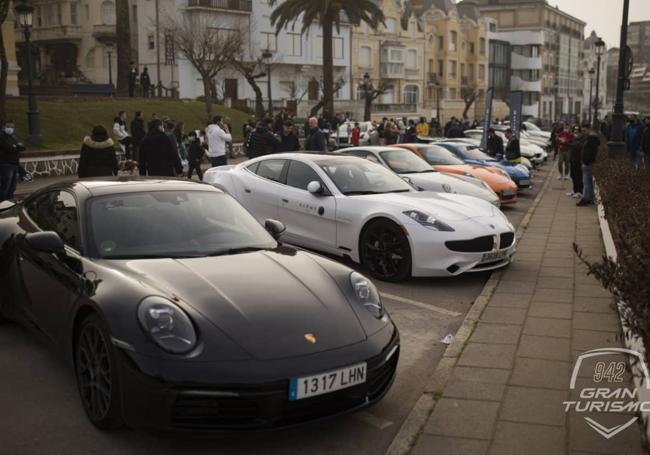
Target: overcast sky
point(604, 16)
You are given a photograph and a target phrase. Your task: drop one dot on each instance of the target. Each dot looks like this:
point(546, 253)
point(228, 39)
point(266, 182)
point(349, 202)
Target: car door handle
point(286, 201)
point(247, 190)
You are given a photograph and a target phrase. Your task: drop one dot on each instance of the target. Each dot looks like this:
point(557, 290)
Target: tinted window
point(438, 155)
point(405, 162)
point(363, 154)
point(271, 169)
point(57, 211)
point(362, 177)
point(300, 175)
point(253, 167)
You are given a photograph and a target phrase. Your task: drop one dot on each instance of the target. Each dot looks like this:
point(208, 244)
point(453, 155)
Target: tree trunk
point(123, 32)
point(207, 88)
point(328, 68)
point(4, 71)
point(367, 109)
point(316, 108)
point(259, 97)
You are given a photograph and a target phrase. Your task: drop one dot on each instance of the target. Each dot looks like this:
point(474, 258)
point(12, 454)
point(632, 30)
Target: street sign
point(516, 104)
point(487, 117)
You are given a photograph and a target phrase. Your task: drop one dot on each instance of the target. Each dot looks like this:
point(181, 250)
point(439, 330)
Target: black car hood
point(264, 301)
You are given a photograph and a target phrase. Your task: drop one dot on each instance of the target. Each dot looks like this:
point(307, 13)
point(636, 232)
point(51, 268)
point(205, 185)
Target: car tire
point(97, 374)
point(385, 251)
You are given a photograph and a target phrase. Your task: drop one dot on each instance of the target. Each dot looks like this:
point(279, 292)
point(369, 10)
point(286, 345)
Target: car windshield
point(172, 224)
point(405, 162)
point(436, 155)
point(357, 176)
point(471, 152)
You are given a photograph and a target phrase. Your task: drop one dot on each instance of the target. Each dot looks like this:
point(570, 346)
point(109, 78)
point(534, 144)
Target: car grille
point(477, 245)
point(507, 239)
point(267, 406)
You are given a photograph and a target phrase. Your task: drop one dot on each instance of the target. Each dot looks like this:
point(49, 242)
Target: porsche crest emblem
point(310, 338)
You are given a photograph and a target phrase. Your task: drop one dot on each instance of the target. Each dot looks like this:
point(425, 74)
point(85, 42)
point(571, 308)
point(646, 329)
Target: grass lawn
point(65, 121)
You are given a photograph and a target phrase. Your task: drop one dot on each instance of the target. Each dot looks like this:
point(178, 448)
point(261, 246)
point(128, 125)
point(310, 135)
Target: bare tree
point(209, 45)
point(4, 61)
point(338, 85)
point(370, 94)
point(297, 92)
point(469, 92)
point(252, 72)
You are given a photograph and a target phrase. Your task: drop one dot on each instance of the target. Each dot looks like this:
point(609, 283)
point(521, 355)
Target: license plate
point(493, 257)
point(509, 192)
point(524, 182)
point(330, 381)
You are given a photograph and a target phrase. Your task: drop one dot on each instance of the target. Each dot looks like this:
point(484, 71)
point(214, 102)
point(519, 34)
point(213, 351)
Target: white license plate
point(524, 182)
point(509, 192)
point(329, 381)
point(493, 257)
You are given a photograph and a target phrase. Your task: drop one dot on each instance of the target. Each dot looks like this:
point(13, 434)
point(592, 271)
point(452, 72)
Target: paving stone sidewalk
point(506, 391)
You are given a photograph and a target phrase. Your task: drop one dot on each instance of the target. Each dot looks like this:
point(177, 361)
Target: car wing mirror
point(46, 242)
point(315, 187)
point(275, 228)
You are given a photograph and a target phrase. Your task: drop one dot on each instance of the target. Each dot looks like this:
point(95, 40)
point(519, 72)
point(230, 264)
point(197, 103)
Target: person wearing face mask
point(158, 153)
point(10, 149)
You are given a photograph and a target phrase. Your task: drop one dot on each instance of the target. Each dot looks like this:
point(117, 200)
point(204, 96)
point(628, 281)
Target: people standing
point(97, 158)
point(179, 135)
point(513, 152)
point(121, 134)
point(355, 135)
point(133, 77)
point(391, 135)
point(565, 142)
point(588, 157)
point(262, 141)
point(645, 142)
point(494, 143)
point(289, 142)
point(195, 155)
point(575, 162)
point(317, 140)
point(158, 154)
point(137, 133)
point(422, 129)
point(410, 134)
point(633, 134)
point(145, 83)
point(10, 149)
point(218, 134)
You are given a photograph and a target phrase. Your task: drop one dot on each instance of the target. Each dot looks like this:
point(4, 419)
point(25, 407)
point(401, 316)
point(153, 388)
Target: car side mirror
point(315, 187)
point(46, 242)
point(275, 228)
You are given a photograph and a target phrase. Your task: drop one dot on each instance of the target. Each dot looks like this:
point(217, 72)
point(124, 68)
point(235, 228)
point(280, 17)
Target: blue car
point(472, 155)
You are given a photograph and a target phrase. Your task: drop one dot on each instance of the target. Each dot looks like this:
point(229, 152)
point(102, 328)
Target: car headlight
point(367, 294)
point(167, 325)
point(428, 221)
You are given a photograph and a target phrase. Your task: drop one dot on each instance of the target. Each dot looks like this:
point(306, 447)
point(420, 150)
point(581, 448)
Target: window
point(453, 41)
point(151, 42)
point(300, 175)
point(462, 70)
point(470, 71)
point(73, 13)
point(271, 169)
point(57, 211)
point(39, 16)
point(441, 43)
point(412, 58)
point(269, 42)
point(493, 27)
point(365, 56)
point(481, 72)
point(452, 69)
point(471, 48)
point(482, 46)
point(295, 44)
point(452, 93)
point(90, 58)
point(339, 51)
point(441, 68)
point(391, 25)
point(411, 94)
point(108, 13)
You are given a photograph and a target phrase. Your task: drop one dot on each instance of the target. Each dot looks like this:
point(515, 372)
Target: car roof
point(314, 157)
point(120, 185)
point(371, 148)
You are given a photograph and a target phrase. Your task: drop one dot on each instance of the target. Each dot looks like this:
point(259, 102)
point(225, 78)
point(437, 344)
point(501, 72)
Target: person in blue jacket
point(633, 134)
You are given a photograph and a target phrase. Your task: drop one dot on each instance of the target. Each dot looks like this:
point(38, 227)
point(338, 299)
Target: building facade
point(590, 61)
point(546, 48)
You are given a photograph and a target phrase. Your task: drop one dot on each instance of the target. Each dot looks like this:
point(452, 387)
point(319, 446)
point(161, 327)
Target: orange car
point(443, 160)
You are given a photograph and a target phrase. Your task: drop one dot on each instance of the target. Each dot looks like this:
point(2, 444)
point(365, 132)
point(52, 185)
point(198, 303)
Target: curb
point(417, 418)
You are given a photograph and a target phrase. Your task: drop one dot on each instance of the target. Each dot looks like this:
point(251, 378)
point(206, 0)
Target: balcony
point(395, 108)
point(104, 33)
point(242, 6)
point(56, 33)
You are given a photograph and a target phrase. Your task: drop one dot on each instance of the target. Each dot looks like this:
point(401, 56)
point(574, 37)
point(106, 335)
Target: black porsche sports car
point(178, 311)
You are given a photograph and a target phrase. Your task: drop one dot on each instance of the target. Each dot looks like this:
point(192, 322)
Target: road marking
point(424, 306)
point(373, 420)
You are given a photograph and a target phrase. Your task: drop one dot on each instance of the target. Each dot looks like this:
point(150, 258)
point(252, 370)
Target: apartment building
point(546, 50)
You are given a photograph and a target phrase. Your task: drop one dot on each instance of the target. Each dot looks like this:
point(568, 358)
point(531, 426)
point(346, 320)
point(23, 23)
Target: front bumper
point(199, 406)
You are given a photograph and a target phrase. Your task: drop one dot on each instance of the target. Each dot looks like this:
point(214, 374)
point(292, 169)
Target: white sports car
point(418, 172)
point(352, 207)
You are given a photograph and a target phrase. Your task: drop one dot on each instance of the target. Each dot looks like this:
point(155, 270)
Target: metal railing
point(233, 5)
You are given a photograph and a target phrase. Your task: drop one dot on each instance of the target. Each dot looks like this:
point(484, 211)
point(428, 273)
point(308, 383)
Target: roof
point(114, 185)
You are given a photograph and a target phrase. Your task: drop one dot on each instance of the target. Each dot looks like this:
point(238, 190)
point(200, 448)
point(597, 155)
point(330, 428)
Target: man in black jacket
point(575, 160)
point(262, 141)
point(589, 152)
point(289, 140)
point(137, 133)
point(317, 139)
point(513, 152)
point(645, 141)
point(10, 148)
point(494, 143)
point(158, 153)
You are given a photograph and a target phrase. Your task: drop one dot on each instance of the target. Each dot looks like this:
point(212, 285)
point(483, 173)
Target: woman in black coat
point(97, 155)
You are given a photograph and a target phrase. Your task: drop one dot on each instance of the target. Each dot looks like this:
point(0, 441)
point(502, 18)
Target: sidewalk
point(507, 384)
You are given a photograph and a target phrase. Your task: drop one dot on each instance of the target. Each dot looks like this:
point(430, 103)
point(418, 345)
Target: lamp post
point(267, 57)
point(25, 15)
point(109, 52)
point(600, 48)
point(366, 88)
point(591, 86)
point(616, 144)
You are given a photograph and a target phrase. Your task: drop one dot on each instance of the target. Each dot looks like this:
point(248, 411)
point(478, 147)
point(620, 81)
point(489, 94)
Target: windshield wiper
point(146, 256)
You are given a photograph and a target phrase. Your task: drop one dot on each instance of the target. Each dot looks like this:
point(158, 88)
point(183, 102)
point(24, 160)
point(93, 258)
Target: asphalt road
point(40, 410)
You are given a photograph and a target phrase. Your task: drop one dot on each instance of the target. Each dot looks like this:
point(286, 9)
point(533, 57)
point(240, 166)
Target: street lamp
point(267, 57)
point(591, 86)
point(366, 88)
point(25, 15)
point(109, 52)
point(600, 48)
point(616, 144)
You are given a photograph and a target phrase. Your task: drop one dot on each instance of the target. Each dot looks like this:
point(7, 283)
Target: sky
point(604, 16)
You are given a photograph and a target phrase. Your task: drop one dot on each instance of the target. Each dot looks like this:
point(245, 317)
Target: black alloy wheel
point(97, 379)
point(385, 251)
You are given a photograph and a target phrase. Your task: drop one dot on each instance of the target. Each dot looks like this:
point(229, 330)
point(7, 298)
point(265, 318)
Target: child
point(195, 155)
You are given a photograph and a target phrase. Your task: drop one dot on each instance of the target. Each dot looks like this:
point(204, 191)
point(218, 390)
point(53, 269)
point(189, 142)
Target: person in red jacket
point(565, 142)
point(356, 135)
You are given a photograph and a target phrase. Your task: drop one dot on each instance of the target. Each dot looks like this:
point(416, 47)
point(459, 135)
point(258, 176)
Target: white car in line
point(532, 152)
point(420, 174)
point(351, 207)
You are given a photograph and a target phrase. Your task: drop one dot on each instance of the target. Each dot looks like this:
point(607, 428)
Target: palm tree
point(123, 33)
point(328, 14)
